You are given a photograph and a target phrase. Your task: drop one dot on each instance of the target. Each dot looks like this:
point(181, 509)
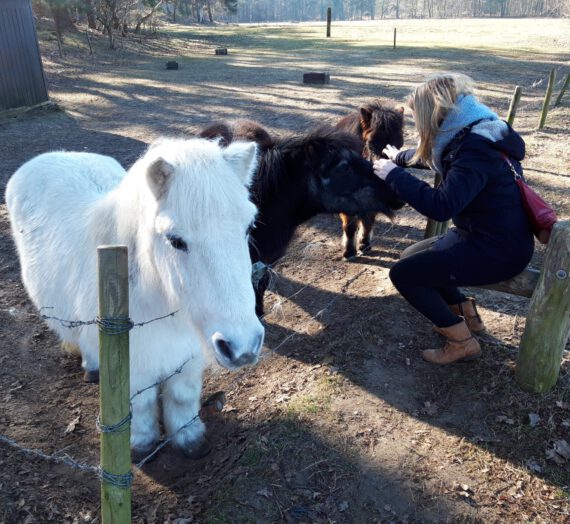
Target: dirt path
point(341, 421)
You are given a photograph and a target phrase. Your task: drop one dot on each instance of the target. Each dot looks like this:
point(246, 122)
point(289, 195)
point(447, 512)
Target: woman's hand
point(391, 152)
point(383, 167)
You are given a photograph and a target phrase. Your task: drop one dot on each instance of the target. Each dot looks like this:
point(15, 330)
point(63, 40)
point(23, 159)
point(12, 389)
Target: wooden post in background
point(114, 383)
point(514, 104)
point(394, 38)
point(548, 320)
point(547, 96)
point(329, 18)
point(562, 91)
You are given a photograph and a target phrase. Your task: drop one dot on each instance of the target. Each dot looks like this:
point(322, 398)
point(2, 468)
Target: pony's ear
point(400, 109)
point(158, 176)
point(242, 156)
point(365, 116)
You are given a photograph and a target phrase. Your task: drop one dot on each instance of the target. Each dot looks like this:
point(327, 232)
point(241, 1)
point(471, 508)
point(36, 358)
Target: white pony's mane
point(203, 195)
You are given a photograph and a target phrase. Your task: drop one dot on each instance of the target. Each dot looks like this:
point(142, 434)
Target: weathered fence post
point(114, 418)
point(547, 96)
point(562, 91)
point(513, 105)
point(394, 38)
point(434, 228)
point(548, 321)
point(329, 18)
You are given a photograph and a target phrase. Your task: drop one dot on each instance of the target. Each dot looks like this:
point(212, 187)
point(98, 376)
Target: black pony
point(377, 126)
point(299, 177)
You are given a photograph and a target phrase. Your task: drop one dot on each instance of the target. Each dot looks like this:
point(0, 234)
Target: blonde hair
point(430, 103)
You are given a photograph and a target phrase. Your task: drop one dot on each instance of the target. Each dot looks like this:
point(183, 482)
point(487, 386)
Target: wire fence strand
point(117, 325)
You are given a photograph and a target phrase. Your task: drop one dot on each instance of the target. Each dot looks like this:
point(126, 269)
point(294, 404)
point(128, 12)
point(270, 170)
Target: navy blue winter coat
point(478, 194)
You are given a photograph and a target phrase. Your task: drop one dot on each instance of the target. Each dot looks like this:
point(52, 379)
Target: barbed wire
point(125, 480)
point(109, 325)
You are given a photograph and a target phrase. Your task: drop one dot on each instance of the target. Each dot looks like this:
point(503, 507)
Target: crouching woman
point(465, 142)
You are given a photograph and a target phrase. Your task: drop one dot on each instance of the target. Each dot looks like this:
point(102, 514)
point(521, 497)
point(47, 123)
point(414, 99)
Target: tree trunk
point(62, 19)
point(209, 8)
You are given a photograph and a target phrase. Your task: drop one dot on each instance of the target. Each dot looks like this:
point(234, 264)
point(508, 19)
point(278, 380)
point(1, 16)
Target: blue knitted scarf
point(466, 111)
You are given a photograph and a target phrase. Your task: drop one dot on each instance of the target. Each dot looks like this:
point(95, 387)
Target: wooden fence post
point(514, 104)
point(562, 91)
point(434, 228)
point(394, 38)
point(547, 96)
point(329, 18)
point(114, 385)
point(548, 321)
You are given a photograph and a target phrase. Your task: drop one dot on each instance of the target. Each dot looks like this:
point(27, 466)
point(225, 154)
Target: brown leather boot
point(468, 310)
point(460, 345)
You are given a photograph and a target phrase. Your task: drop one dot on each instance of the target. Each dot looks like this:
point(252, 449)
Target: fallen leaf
point(343, 506)
point(533, 419)
point(533, 466)
point(505, 419)
point(560, 452)
point(563, 405)
point(72, 425)
point(429, 408)
point(264, 493)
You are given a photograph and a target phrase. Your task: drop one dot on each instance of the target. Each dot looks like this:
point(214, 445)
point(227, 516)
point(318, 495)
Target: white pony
point(184, 212)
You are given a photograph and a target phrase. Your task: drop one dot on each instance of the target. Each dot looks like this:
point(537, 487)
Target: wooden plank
point(548, 321)
point(522, 285)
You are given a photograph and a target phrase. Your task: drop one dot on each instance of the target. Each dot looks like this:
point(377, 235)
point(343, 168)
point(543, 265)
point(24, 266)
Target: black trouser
point(427, 276)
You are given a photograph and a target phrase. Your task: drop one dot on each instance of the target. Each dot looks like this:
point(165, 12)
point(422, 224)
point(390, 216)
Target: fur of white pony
point(181, 193)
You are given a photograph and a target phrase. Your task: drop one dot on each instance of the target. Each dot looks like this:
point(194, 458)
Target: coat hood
point(503, 137)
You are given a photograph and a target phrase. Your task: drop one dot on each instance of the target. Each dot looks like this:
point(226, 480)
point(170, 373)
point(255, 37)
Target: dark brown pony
point(377, 126)
point(299, 177)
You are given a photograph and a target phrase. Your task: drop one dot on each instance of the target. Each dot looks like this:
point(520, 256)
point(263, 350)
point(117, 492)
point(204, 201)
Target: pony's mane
point(200, 165)
point(323, 139)
point(304, 150)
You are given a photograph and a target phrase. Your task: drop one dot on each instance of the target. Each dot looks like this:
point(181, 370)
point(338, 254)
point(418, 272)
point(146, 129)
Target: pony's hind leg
point(88, 346)
point(349, 229)
point(367, 224)
point(181, 405)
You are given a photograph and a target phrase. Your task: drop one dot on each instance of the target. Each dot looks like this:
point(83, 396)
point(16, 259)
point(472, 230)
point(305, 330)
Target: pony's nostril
point(224, 347)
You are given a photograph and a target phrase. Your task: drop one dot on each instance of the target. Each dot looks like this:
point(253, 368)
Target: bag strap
point(515, 173)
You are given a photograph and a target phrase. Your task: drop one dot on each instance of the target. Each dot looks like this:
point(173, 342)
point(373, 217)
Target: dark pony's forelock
point(319, 144)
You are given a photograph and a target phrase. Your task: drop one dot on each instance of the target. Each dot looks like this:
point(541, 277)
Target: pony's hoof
point(198, 449)
point(364, 248)
point(138, 454)
point(91, 376)
point(349, 253)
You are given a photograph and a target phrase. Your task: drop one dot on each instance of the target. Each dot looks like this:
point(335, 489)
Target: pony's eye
point(177, 243)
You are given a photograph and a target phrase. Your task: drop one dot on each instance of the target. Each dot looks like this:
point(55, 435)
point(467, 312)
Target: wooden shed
point(22, 81)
